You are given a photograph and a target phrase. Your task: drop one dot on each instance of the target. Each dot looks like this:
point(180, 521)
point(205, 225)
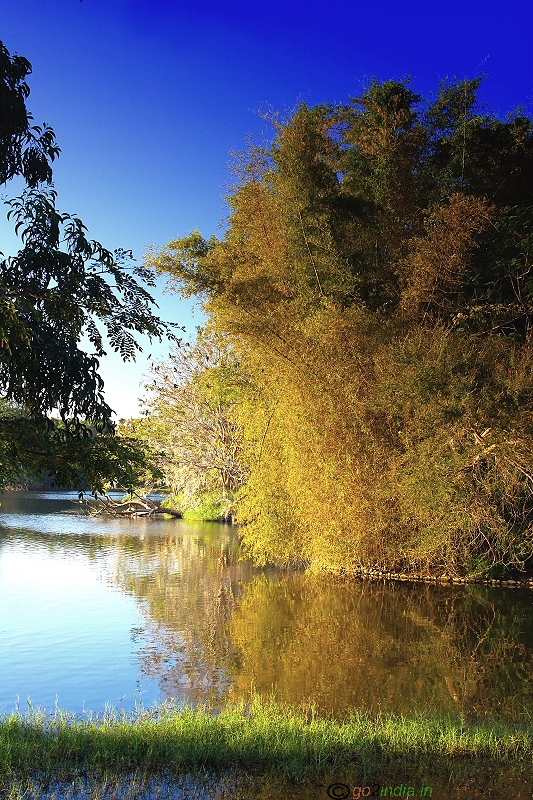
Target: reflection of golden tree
point(381, 647)
point(490, 668)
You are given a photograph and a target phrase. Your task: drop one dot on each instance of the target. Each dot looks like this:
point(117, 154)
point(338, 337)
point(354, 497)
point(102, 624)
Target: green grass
point(208, 507)
point(256, 737)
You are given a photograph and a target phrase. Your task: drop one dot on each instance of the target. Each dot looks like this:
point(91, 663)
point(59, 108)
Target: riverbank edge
point(415, 577)
point(257, 737)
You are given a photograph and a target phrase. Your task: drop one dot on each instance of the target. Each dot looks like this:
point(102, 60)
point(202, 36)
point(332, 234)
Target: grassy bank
point(257, 737)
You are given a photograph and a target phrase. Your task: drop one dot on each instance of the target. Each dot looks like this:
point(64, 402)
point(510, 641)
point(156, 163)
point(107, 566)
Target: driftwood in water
point(133, 507)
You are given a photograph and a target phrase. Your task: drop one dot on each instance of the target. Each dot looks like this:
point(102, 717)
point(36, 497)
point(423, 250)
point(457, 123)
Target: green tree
point(59, 287)
point(24, 149)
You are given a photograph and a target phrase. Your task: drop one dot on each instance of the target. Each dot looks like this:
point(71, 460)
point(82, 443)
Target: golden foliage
point(434, 272)
point(355, 249)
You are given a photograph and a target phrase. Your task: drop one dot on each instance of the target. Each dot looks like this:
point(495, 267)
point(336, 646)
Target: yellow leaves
point(432, 274)
point(305, 426)
point(336, 482)
point(348, 314)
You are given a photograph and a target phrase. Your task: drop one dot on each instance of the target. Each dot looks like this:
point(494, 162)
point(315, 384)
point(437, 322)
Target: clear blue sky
point(149, 97)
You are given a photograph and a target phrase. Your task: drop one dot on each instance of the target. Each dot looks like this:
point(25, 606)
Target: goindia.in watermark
point(342, 791)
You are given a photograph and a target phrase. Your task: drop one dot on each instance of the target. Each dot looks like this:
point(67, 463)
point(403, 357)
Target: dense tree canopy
point(59, 287)
point(375, 282)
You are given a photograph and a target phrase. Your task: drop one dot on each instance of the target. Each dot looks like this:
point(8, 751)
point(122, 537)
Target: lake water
point(96, 611)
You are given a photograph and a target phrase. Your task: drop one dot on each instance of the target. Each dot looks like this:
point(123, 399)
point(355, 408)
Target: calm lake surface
point(96, 611)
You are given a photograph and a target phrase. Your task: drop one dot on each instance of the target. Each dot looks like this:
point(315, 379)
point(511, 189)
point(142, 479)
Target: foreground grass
point(253, 737)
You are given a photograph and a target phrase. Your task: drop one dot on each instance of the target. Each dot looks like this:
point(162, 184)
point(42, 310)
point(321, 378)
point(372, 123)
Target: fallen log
point(131, 507)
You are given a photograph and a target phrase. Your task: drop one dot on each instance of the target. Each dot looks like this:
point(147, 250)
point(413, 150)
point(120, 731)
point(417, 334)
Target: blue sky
point(149, 97)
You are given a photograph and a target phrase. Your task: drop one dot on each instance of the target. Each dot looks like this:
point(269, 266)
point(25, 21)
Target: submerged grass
point(254, 737)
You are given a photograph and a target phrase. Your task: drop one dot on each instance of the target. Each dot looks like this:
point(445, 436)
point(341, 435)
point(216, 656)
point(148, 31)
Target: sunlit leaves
point(374, 283)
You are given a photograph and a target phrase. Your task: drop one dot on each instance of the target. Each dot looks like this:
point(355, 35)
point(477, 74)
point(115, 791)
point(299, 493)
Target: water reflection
point(175, 613)
point(387, 647)
point(191, 582)
point(217, 627)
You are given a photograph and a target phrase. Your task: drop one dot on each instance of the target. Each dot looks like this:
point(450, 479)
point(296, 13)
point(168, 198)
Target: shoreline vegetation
point(361, 392)
point(261, 738)
point(416, 577)
point(140, 506)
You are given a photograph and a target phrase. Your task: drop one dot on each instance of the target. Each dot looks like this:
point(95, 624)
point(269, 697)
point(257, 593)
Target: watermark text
point(342, 791)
